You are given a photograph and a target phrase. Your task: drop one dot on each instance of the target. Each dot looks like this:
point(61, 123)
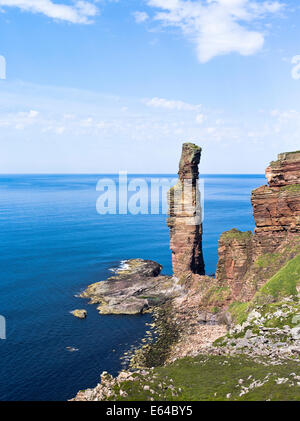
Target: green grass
point(291, 188)
point(236, 234)
point(215, 378)
point(267, 260)
point(239, 311)
point(216, 296)
point(282, 284)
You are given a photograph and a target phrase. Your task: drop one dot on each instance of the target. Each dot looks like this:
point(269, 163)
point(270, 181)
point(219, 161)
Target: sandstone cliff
point(247, 261)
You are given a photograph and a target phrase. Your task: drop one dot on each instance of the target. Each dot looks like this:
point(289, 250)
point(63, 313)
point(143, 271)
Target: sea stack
point(185, 218)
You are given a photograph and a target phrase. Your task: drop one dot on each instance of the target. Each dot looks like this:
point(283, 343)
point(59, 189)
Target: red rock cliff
point(276, 211)
point(185, 216)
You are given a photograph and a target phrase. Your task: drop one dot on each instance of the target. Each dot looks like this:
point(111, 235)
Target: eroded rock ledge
point(133, 289)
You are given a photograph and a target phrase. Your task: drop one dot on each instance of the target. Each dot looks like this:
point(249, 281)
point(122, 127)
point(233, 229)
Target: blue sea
point(53, 243)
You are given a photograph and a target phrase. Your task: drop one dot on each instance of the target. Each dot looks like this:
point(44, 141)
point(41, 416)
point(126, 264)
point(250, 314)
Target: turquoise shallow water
point(53, 244)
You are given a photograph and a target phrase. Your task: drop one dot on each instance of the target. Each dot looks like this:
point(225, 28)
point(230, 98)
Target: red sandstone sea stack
point(185, 216)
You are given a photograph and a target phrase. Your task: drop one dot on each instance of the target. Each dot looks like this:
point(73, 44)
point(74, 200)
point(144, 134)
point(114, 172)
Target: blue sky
point(98, 87)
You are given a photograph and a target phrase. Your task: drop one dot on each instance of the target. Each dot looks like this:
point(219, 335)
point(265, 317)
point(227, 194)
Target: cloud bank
point(171, 104)
point(217, 27)
point(79, 12)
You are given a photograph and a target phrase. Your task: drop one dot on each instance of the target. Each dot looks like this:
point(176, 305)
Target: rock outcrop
point(247, 261)
point(185, 220)
point(80, 314)
point(133, 290)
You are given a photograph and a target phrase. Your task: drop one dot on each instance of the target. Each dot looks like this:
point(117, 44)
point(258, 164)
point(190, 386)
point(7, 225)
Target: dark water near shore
point(53, 244)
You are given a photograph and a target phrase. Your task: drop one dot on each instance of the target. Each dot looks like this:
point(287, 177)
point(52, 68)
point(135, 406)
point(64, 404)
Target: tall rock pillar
point(185, 219)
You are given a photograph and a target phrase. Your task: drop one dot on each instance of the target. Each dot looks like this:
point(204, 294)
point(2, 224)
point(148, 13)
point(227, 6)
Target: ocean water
point(53, 243)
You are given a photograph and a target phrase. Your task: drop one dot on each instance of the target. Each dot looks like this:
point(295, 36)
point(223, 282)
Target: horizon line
point(129, 173)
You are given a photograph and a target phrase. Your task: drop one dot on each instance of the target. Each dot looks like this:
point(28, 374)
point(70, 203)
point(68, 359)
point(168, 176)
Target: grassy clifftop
point(209, 378)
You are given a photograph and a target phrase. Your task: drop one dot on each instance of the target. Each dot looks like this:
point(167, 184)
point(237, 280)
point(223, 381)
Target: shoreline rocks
point(133, 290)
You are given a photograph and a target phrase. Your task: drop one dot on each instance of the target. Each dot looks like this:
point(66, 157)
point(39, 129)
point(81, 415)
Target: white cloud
point(200, 118)
point(296, 69)
point(80, 12)
point(19, 120)
point(2, 67)
point(33, 113)
point(217, 27)
point(80, 123)
point(171, 104)
point(140, 17)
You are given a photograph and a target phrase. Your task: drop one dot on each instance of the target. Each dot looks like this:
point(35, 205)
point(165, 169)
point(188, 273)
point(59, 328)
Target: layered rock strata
point(133, 289)
point(285, 171)
point(243, 257)
point(185, 219)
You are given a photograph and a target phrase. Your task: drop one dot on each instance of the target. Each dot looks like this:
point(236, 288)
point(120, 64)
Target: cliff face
point(185, 216)
point(235, 254)
point(285, 171)
point(247, 261)
point(276, 207)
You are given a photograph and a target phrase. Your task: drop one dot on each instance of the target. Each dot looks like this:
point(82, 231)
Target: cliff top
point(236, 234)
point(284, 171)
point(284, 157)
point(293, 156)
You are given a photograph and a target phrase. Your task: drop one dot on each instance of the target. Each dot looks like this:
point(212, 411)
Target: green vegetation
point(236, 234)
point(239, 311)
point(216, 296)
point(282, 284)
point(280, 314)
point(291, 188)
point(215, 378)
point(267, 260)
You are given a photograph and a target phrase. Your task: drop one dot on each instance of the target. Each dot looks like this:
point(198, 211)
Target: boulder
point(80, 314)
